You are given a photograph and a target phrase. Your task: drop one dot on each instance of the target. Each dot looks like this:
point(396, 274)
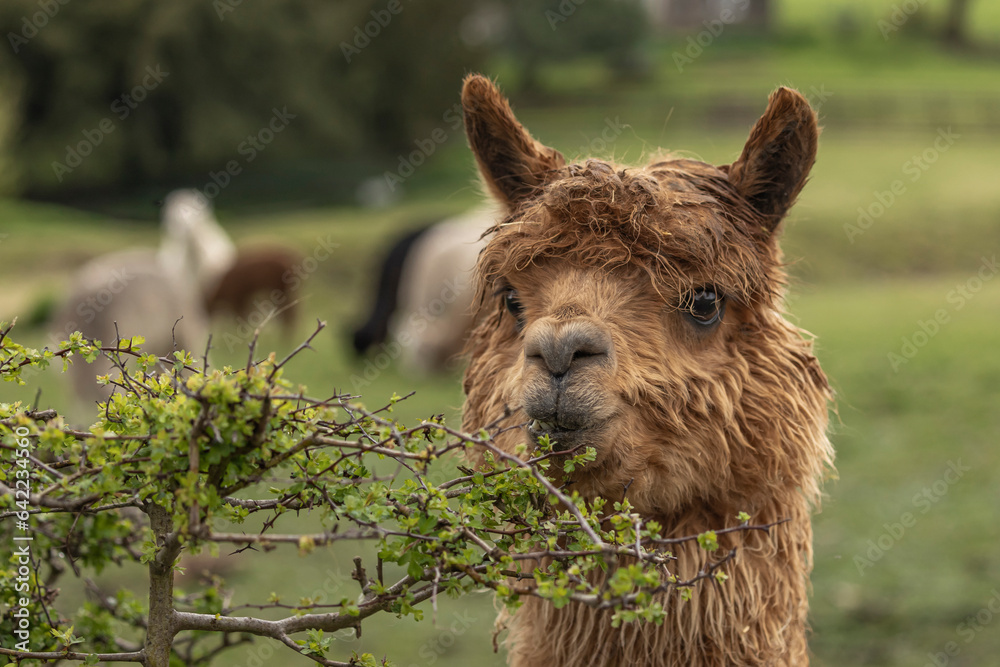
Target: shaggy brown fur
point(597, 265)
point(260, 279)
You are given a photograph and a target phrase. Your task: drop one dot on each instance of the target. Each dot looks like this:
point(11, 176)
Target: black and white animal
point(424, 292)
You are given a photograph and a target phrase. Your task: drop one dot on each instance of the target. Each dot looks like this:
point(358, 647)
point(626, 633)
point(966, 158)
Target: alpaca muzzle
point(567, 366)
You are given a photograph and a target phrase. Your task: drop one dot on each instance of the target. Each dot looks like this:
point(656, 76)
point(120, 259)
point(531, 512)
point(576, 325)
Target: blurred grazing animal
point(423, 301)
point(194, 246)
point(146, 291)
point(259, 282)
point(376, 329)
point(639, 311)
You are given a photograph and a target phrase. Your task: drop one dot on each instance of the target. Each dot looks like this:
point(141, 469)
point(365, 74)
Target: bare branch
point(51, 656)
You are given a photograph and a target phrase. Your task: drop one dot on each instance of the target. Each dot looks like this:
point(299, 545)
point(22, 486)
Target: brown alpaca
point(639, 311)
point(259, 282)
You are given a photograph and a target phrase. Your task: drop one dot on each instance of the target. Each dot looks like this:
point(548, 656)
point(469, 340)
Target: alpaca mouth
point(562, 437)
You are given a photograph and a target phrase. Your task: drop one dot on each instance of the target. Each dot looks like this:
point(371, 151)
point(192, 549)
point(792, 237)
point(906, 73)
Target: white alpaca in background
point(147, 291)
point(194, 245)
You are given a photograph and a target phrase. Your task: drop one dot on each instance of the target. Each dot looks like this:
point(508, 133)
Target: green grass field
point(916, 435)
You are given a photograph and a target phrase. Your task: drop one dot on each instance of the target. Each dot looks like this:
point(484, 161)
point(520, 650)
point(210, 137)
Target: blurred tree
point(681, 14)
point(141, 91)
point(8, 103)
point(956, 22)
point(760, 14)
point(688, 15)
point(560, 29)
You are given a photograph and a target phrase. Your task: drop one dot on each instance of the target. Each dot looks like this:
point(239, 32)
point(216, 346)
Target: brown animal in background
point(260, 281)
point(639, 311)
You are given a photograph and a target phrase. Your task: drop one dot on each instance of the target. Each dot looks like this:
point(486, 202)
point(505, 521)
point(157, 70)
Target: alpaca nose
point(561, 349)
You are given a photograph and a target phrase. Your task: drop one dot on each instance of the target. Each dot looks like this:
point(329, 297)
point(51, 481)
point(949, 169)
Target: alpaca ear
point(776, 160)
point(512, 163)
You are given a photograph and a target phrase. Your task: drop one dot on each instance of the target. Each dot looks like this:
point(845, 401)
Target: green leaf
point(708, 541)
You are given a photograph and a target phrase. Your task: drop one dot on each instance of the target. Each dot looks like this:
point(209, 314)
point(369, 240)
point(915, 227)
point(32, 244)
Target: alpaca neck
point(755, 617)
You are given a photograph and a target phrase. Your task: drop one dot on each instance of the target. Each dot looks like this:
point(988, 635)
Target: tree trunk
point(955, 22)
point(760, 15)
point(683, 15)
point(160, 633)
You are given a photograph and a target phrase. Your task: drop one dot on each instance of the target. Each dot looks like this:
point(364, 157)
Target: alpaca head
point(194, 247)
point(638, 311)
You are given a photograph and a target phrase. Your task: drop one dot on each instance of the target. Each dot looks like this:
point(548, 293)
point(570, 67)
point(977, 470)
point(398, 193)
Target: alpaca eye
point(705, 305)
point(513, 305)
